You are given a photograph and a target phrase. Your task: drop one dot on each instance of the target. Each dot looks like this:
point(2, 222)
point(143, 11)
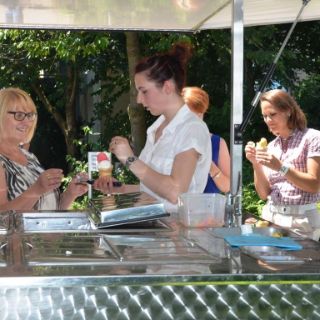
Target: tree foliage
point(53, 65)
point(56, 67)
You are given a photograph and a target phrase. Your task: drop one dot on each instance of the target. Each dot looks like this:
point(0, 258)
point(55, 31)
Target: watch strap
point(283, 170)
point(130, 161)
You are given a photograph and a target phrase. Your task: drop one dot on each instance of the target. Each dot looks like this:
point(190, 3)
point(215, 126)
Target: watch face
point(130, 160)
point(283, 170)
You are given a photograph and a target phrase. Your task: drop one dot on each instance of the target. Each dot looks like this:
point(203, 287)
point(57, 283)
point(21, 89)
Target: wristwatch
point(130, 161)
point(283, 170)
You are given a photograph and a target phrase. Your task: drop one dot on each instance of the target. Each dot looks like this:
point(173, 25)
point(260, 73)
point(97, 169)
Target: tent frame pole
point(233, 210)
point(233, 214)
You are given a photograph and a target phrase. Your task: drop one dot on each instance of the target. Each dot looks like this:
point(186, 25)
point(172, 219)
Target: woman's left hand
point(120, 147)
point(268, 160)
point(78, 189)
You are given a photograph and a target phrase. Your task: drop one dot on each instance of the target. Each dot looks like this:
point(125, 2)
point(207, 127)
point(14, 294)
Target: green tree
point(51, 65)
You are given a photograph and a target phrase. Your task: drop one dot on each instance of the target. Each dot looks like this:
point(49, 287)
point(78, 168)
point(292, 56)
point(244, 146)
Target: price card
point(92, 161)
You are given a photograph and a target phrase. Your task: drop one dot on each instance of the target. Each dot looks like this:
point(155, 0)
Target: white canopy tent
point(167, 15)
point(178, 15)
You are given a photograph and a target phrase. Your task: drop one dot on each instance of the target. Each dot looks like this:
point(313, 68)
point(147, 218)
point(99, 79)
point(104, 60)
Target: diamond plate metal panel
point(250, 302)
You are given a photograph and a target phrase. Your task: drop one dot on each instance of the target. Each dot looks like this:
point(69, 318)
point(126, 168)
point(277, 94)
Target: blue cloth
point(258, 240)
point(215, 143)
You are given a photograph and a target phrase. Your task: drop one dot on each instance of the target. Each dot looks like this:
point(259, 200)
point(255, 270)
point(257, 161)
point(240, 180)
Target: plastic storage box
point(201, 209)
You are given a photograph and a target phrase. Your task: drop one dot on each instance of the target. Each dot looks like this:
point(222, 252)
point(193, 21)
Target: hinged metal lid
point(119, 209)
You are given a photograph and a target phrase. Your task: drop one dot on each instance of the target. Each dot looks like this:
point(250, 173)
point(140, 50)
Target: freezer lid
point(119, 209)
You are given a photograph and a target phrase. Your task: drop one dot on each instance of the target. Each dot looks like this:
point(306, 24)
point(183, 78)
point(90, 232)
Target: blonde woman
point(24, 184)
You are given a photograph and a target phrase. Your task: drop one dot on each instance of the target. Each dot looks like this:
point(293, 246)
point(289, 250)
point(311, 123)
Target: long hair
point(286, 103)
point(171, 65)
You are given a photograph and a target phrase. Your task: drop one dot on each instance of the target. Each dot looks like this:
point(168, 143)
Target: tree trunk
point(71, 125)
point(136, 111)
point(67, 125)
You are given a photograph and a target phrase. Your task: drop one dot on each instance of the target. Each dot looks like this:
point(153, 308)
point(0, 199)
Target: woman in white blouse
point(177, 154)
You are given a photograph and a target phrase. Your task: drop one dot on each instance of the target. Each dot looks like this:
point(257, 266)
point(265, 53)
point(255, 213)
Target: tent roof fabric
point(151, 15)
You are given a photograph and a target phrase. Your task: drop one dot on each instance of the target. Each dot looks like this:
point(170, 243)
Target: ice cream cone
point(105, 172)
point(104, 164)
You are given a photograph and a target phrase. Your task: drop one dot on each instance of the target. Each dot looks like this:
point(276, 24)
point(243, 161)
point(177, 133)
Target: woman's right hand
point(120, 147)
point(49, 180)
point(104, 185)
point(250, 151)
point(109, 185)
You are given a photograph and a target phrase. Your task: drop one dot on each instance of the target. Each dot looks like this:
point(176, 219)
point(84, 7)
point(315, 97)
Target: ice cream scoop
point(102, 156)
point(262, 144)
point(104, 164)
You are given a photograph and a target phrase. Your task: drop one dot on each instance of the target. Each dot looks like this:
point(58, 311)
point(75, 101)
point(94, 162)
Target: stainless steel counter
point(59, 265)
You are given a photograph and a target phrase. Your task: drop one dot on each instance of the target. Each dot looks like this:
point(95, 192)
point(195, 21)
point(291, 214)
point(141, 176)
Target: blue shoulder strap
point(215, 142)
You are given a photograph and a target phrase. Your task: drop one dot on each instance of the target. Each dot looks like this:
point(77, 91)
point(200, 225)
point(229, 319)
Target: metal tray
point(120, 209)
point(157, 249)
point(271, 255)
point(236, 231)
point(79, 249)
point(66, 249)
point(48, 221)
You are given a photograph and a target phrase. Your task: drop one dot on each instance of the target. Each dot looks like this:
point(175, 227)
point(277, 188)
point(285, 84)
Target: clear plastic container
point(201, 210)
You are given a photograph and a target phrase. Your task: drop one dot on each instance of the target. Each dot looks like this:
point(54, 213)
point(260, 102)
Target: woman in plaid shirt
point(287, 173)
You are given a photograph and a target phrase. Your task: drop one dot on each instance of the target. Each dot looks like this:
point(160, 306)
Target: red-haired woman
point(219, 175)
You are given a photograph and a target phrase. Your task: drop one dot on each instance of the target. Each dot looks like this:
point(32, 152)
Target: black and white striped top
point(19, 178)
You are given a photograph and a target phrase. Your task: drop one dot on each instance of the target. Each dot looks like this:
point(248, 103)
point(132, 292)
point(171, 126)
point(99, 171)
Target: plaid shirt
point(293, 152)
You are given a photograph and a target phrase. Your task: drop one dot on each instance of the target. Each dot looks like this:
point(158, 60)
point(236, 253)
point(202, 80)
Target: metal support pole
point(234, 197)
point(268, 76)
point(233, 212)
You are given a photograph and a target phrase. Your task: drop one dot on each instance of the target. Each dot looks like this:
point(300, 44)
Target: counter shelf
point(133, 211)
point(161, 273)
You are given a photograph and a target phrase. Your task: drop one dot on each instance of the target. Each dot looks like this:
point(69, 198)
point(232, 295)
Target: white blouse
point(184, 132)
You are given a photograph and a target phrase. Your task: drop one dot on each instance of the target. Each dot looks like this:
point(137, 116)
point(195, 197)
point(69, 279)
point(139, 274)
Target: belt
point(292, 209)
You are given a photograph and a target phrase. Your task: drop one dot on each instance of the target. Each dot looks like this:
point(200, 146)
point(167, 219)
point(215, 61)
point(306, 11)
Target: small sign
point(92, 161)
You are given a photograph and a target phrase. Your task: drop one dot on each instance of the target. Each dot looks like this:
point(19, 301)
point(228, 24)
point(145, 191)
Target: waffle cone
point(105, 172)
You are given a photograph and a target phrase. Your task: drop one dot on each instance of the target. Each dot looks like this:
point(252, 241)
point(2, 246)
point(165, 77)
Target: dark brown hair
point(286, 103)
point(172, 65)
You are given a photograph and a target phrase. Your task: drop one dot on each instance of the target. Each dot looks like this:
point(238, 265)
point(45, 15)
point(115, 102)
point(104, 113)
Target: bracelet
point(217, 175)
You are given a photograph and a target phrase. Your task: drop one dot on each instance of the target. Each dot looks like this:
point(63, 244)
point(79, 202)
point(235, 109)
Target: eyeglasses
point(270, 116)
point(20, 116)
